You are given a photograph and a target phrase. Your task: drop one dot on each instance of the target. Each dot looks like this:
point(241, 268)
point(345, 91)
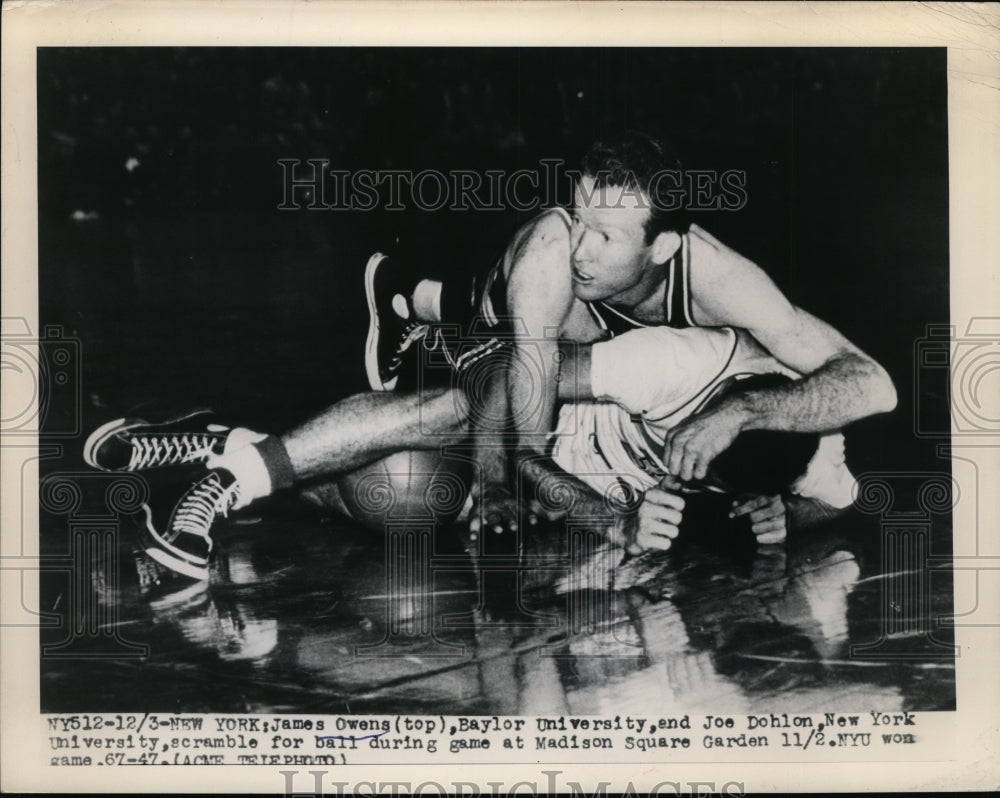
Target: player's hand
point(694, 443)
point(495, 509)
point(768, 517)
point(656, 524)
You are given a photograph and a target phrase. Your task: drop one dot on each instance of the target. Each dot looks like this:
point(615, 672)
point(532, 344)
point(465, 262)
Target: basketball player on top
point(624, 260)
point(620, 258)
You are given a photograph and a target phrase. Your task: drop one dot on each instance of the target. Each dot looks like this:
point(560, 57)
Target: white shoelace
point(198, 509)
point(413, 332)
point(149, 451)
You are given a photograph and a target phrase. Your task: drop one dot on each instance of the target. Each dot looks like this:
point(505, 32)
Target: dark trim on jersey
point(597, 446)
point(676, 297)
point(677, 300)
point(685, 295)
point(599, 318)
point(674, 285)
point(623, 316)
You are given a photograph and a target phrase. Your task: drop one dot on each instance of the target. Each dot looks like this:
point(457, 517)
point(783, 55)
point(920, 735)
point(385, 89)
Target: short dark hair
point(763, 461)
point(640, 162)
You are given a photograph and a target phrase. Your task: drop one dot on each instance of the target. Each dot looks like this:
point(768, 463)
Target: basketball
point(407, 486)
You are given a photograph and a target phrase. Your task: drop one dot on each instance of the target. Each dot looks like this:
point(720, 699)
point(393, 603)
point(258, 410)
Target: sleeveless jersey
point(676, 298)
point(489, 294)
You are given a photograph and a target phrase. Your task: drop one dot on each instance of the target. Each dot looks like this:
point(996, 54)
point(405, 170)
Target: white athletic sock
point(247, 465)
point(241, 436)
point(427, 300)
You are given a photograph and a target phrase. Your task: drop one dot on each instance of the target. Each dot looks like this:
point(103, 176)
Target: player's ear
point(664, 246)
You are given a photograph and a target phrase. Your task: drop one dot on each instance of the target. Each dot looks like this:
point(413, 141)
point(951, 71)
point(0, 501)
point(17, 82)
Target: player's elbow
point(882, 395)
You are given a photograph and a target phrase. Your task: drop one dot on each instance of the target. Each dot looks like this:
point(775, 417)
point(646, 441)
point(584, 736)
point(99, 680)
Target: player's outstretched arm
point(494, 506)
point(840, 383)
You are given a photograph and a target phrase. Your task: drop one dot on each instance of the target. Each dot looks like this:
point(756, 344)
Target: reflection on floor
point(308, 614)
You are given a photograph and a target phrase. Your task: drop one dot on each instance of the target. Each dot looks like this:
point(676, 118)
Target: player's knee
point(884, 394)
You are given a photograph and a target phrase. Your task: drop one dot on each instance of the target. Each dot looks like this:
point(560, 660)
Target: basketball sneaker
point(178, 535)
point(392, 330)
point(134, 444)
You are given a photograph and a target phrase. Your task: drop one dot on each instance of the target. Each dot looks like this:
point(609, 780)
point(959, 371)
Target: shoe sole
point(168, 555)
point(371, 344)
point(175, 599)
point(105, 431)
point(96, 438)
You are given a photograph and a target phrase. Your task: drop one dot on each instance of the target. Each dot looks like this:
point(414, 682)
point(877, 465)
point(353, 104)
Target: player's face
point(610, 258)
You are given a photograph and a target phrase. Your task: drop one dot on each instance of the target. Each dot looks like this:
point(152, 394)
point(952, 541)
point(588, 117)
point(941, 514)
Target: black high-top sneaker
point(392, 328)
point(177, 534)
point(134, 444)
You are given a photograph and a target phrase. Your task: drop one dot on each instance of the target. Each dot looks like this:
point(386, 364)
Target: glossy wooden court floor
point(306, 612)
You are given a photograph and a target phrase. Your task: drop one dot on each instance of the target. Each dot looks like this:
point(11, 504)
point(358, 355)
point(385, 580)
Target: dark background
point(190, 287)
point(187, 286)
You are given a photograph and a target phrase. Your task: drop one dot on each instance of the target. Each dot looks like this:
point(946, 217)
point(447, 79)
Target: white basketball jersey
point(676, 372)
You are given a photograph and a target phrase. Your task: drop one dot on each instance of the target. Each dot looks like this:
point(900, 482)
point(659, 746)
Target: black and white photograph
point(512, 384)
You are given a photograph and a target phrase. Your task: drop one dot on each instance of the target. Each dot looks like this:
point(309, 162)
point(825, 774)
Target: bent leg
point(366, 427)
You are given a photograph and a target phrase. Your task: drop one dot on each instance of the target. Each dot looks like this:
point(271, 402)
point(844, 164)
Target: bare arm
point(539, 296)
point(840, 383)
point(651, 524)
point(493, 504)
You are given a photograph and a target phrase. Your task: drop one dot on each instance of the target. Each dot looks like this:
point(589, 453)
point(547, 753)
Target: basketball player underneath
point(609, 437)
